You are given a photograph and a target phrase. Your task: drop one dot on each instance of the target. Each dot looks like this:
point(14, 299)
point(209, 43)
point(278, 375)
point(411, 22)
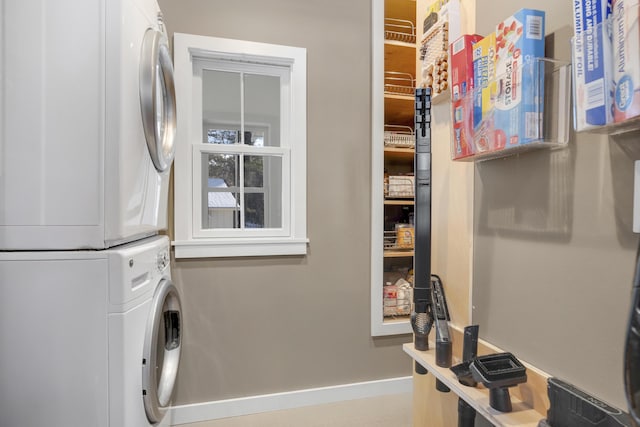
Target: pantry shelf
point(398, 254)
point(395, 202)
point(399, 153)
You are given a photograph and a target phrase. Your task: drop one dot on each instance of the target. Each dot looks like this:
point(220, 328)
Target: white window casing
point(192, 54)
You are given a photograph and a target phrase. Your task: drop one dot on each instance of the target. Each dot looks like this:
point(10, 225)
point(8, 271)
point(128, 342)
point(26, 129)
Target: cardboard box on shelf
point(626, 59)
point(484, 57)
point(592, 64)
point(518, 105)
point(461, 75)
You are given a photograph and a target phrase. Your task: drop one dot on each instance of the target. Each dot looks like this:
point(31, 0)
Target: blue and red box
point(518, 105)
point(461, 74)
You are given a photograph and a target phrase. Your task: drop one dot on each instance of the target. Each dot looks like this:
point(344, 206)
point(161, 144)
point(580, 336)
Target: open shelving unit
point(394, 81)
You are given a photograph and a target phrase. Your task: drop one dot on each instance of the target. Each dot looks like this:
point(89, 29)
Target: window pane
point(220, 106)
point(221, 136)
point(221, 196)
point(262, 109)
point(224, 168)
point(263, 192)
point(254, 171)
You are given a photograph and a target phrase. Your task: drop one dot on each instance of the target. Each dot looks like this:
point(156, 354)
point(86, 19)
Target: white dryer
point(88, 338)
point(87, 123)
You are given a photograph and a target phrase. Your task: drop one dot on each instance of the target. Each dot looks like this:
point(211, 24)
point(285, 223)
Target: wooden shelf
point(523, 415)
point(396, 153)
point(399, 202)
point(399, 97)
point(398, 254)
point(400, 44)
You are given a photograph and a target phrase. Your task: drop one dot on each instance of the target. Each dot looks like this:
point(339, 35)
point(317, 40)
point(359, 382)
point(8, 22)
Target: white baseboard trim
point(205, 411)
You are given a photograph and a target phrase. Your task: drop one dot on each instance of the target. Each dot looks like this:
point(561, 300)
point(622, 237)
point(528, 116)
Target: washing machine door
point(161, 355)
point(158, 99)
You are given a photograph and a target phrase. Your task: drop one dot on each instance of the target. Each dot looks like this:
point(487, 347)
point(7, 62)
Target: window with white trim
point(240, 166)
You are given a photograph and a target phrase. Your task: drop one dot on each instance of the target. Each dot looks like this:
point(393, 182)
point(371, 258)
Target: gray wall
point(263, 325)
point(552, 284)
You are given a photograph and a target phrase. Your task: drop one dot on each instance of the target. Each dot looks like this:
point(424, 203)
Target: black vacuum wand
point(422, 315)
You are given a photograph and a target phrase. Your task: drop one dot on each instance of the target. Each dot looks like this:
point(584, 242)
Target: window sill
point(239, 247)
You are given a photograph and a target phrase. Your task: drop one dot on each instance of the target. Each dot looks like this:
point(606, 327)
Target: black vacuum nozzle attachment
point(422, 322)
point(498, 372)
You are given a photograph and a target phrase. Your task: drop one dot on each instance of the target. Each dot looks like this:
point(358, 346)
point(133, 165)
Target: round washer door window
point(158, 99)
point(161, 354)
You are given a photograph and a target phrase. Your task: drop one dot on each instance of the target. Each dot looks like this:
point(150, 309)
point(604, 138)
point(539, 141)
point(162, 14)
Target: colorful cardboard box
point(592, 64)
point(518, 105)
point(484, 57)
point(626, 60)
point(461, 75)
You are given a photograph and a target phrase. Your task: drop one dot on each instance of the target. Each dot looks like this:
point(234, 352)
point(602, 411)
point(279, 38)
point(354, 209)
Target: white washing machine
point(88, 338)
point(87, 123)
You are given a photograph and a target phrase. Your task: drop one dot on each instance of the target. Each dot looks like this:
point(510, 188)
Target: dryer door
point(158, 99)
point(161, 355)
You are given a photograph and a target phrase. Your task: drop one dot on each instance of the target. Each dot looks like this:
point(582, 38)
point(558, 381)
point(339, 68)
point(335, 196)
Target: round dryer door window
point(158, 99)
point(161, 355)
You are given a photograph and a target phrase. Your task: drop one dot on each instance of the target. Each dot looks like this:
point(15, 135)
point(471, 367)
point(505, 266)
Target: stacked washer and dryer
point(90, 323)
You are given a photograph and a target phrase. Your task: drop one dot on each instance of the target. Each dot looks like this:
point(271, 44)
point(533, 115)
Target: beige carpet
point(386, 411)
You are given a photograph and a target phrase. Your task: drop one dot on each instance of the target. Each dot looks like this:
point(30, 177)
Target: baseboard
point(205, 411)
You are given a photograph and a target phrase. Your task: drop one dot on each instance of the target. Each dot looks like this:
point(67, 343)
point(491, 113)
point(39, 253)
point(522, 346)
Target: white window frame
point(190, 240)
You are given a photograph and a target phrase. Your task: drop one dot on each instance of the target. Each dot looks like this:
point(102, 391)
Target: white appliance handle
point(158, 99)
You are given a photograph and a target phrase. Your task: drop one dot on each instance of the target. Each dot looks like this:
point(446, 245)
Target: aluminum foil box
point(592, 64)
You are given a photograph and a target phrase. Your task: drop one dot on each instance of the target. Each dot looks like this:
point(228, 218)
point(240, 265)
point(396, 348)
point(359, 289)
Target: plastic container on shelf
point(545, 87)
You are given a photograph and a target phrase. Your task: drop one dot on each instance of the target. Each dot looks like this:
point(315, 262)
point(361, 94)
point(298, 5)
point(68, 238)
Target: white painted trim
point(206, 411)
point(378, 326)
point(377, 165)
point(205, 248)
point(293, 137)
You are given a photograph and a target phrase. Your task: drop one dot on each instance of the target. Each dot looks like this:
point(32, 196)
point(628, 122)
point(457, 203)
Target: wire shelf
point(399, 30)
point(399, 136)
point(398, 83)
point(401, 186)
point(398, 240)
